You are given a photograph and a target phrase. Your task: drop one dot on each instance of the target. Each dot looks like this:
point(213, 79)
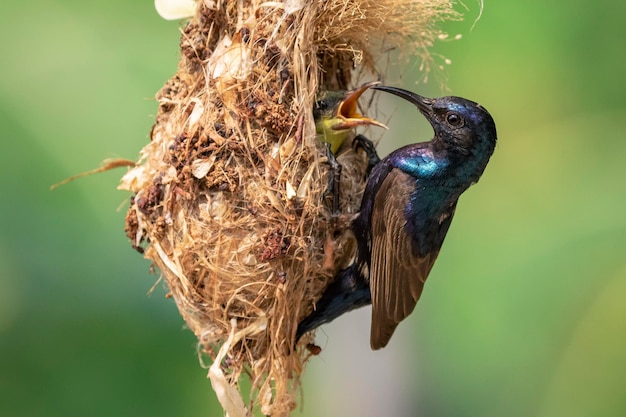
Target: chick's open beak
point(347, 114)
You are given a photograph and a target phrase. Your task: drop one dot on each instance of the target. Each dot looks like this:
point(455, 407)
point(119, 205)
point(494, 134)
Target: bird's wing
point(397, 271)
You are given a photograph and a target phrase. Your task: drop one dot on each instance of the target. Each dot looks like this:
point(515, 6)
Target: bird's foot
point(334, 180)
point(361, 142)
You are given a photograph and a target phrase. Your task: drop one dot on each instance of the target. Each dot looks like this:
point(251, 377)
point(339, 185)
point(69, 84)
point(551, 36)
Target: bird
point(335, 115)
point(406, 210)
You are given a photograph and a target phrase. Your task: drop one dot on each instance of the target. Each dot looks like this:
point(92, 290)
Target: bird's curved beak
point(347, 114)
point(424, 104)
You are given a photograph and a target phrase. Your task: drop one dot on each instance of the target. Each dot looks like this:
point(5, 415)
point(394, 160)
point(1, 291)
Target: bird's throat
point(326, 134)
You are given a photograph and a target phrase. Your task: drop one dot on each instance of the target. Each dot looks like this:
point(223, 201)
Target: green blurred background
point(524, 313)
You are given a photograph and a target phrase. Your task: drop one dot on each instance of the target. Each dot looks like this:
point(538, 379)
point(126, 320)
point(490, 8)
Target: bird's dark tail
point(347, 292)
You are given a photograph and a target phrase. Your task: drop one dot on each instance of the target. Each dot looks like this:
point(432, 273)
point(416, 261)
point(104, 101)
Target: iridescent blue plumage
point(406, 210)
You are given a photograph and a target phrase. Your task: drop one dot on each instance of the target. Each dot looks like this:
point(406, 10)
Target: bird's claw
point(334, 181)
point(361, 142)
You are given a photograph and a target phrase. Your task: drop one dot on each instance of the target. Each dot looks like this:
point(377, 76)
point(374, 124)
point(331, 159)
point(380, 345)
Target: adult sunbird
point(406, 210)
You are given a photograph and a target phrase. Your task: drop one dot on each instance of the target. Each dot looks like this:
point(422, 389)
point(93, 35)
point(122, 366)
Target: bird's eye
point(322, 105)
point(454, 120)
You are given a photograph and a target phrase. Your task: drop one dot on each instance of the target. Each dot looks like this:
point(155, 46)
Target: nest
point(228, 196)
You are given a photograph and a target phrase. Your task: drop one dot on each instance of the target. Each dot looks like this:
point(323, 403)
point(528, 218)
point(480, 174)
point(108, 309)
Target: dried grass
point(229, 194)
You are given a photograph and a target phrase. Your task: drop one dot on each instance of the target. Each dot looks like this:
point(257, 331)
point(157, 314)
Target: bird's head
point(335, 114)
point(461, 126)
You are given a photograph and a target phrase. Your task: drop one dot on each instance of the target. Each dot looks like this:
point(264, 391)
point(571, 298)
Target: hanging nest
point(228, 197)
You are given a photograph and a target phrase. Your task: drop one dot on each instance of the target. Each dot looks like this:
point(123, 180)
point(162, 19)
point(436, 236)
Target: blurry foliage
point(524, 312)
